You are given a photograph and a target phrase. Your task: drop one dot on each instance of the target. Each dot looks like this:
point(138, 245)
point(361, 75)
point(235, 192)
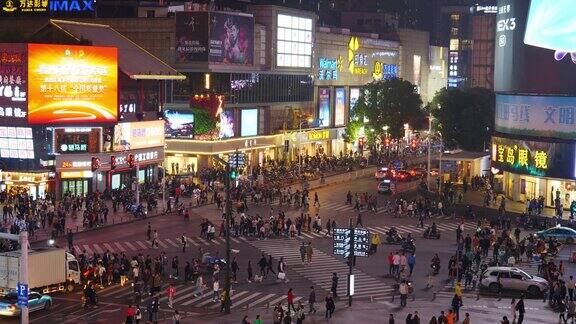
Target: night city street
point(287, 161)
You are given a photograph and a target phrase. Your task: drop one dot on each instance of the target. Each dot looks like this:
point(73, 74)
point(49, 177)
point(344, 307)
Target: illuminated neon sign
point(386, 71)
point(328, 68)
point(357, 63)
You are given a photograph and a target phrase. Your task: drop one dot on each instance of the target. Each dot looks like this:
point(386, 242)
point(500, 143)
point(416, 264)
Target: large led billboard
point(70, 84)
point(231, 38)
point(136, 135)
point(535, 46)
point(542, 116)
point(13, 84)
point(537, 158)
point(191, 36)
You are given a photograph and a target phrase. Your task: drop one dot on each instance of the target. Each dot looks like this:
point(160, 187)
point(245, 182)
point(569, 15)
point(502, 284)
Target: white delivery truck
point(49, 270)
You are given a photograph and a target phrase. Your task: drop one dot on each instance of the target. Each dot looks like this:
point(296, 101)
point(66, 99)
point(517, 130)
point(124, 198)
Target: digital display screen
point(249, 122)
point(178, 123)
point(231, 38)
point(71, 84)
point(226, 125)
point(324, 106)
point(339, 106)
point(535, 46)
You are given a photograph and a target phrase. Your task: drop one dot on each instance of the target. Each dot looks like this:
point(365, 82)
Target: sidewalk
point(476, 198)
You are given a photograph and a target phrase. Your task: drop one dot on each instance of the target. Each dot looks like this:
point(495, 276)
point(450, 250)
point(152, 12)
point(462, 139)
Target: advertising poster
point(231, 38)
point(535, 46)
point(226, 126)
point(542, 159)
point(130, 136)
point(339, 106)
point(13, 84)
point(324, 106)
point(71, 84)
point(249, 122)
point(178, 123)
point(191, 36)
point(354, 95)
point(536, 116)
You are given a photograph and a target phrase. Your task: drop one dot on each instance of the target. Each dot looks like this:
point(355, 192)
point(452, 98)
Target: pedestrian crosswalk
point(320, 270)
point(187, 295)
point(405, 229)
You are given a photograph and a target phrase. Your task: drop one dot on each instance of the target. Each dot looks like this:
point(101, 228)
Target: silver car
point(512, 278)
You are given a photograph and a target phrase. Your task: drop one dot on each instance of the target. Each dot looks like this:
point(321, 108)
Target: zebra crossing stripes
point(321, 268)
point(404, 229)
point(121, 248)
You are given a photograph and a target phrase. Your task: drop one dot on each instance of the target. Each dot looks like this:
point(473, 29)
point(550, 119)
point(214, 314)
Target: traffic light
point(286, 146)
point(95, 164)
point(361, 144)
point(131, 161)
point(387, 142)
point(233, 174)
point(413, 143)
point(112, 162)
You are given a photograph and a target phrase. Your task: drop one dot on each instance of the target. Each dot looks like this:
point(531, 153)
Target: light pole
point(430, 137)
point(23, 277)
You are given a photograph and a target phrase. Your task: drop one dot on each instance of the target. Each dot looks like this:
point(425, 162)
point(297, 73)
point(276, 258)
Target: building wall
point(438, 75)
point(415, 43)
point(483, 31)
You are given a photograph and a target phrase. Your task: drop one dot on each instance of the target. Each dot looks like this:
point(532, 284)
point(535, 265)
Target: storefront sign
point(536, 116)
point(318, 135)
point(129, 136)
point(76, 174)
point(386, 71)
point(16, 8)
point(13, 84)
point(547, 159)
point(84, 161)
point(357, 62)
point(79, 80)
point(328, 68)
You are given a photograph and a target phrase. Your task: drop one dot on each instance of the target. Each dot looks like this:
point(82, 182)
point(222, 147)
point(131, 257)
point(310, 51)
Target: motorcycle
point(408, 246)
point(394, 238)
point(431, 235)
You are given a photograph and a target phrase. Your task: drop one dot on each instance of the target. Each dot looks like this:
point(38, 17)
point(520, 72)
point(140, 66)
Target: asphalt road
point(372, 283)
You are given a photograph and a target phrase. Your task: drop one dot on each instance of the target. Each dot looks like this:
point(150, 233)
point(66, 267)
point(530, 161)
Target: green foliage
point(352, 130)
point(203, 122)
point(391, 103)
point(464, 117)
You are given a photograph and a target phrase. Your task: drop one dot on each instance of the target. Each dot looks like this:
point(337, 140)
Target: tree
point(390, 103)
point(465, 118)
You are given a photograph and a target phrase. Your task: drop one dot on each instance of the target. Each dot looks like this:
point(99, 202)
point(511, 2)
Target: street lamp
point(309, 120)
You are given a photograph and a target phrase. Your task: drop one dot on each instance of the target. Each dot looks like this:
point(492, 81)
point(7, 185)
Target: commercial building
point(533, 148)
point(75, 117)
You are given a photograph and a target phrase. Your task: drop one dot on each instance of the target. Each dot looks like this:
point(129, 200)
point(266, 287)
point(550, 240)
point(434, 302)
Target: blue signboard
point(22, 294)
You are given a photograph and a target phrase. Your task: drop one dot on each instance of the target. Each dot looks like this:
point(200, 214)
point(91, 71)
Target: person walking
point(184, 241)
point(521, 310)
point(391, 319)
point(303, 252)
point(149, 232)
point(129, 315)
point(513, 309)
point(249, 271)
point(176, 317)
point(215, 290)
point(334, 287)
point(415, 318)
point(411, 262)
point(235, 269)
point(170, 292)
point(403, 289)
point(263, 264)
point(70, 238)
point(309, 252)
point(269, 266)
point(137, 314)
point(570, 286)
point(466, 319)
point(290, 298)
point(155, 240)
point(257, 320)
point(312, 300)
point(450, 317)
point(456, 304)
point(330, 306)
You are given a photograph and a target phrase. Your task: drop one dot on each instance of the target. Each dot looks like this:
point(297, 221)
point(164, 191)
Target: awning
point(133, 60)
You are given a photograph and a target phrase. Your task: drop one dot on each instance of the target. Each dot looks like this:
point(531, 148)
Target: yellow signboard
point(318, 135)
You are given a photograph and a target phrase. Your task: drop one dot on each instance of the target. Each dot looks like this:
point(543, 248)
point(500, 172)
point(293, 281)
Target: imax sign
point(71, 5)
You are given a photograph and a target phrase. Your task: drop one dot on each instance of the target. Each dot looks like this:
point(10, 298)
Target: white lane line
point(120, 247)
point(87, 249)
point(236, 303)
point(172, 243)
point(108, 247)
point(130, 246)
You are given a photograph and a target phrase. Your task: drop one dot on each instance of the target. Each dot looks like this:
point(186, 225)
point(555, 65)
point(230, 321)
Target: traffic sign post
point(22, 294)
point(350, 243)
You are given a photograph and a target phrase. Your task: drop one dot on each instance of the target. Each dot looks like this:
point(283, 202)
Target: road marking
point(98, 248)
point(77, 249)
point(233, 239)
point(172, 243)
point(188, 239)
point(202, 240)
point(108, 247)
point(142, 245)
point(275, 301)
point(87, 249)
point(130, 246)
point(239, 302)
point(120, 247)
point(159, 242)
point(180, 293)
point(209, 293)
point(191, 294)
point(256, 302)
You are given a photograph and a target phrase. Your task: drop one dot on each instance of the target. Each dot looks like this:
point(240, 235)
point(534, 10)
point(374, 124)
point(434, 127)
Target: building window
point(294, 42)
point(270, 88)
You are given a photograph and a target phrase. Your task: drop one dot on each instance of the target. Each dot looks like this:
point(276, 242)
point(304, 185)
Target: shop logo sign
point(72, 5)
point(9, 6)
point(357, 63)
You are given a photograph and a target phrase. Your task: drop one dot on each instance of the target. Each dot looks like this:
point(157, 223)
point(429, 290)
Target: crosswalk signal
point(413, 143)
point(131, 161)
point(233, 174)
point(361, 144)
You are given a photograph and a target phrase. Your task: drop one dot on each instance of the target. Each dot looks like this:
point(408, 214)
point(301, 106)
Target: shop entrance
point(76, 187)
point(529, 189)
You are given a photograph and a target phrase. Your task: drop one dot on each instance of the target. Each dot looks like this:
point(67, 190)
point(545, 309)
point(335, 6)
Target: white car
point(512, 278)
